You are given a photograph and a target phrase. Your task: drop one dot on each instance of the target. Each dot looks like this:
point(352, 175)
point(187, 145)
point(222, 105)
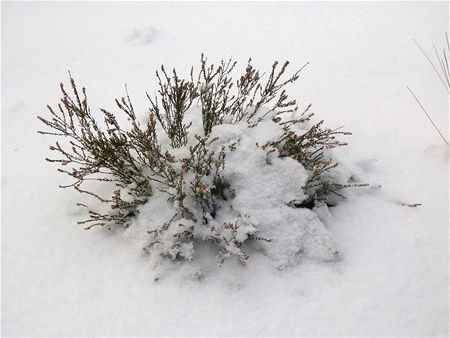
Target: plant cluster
point(136, 164)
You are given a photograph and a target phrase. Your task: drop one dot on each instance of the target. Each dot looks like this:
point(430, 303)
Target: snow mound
point(261, 186)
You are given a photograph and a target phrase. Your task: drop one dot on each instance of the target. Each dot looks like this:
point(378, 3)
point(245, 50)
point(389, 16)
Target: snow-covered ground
point(393, 276)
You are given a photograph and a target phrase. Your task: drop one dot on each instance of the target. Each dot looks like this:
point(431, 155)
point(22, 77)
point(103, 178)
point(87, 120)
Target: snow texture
point(262, 185)
point(391, 275)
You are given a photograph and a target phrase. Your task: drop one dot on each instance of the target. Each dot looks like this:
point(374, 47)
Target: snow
point(391, 277)
point(262, 187)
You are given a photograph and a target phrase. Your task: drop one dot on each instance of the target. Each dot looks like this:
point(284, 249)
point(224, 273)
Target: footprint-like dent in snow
point(142, 36)
point(438, 152)
point(367, 164)
point(17, 106)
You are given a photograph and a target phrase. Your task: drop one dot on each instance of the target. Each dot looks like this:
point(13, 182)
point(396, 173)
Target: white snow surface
point(392, 275)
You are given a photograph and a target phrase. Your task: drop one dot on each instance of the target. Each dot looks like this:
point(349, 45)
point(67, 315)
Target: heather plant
point(96, 155)
point(176, 97)
point(190, 170)
point(309, 148)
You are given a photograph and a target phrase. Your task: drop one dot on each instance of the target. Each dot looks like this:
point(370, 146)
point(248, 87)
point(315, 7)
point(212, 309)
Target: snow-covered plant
point(176, 96)
point(222, 136)
point(104, 156)
point(309, 148)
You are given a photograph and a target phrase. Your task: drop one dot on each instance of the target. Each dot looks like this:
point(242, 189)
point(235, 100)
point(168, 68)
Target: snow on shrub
point(218, 161)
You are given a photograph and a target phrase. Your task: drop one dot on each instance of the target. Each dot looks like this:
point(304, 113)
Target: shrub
point(190, 170)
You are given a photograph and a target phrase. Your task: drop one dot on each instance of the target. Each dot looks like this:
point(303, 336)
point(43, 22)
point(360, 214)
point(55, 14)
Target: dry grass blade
point(445, 76)
point(429, 118)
